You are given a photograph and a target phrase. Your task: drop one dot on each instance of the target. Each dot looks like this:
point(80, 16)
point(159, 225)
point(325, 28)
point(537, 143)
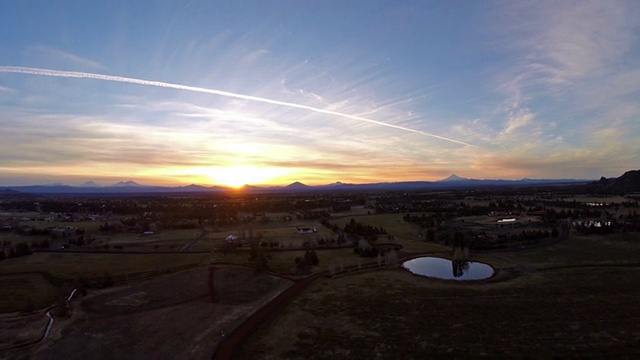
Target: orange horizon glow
point(235, 175)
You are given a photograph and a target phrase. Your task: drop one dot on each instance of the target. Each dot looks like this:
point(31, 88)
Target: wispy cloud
point(83, 75)
point(521, 89)
point(564, 41)
point(570, 75)
point(79, 143)
point(66, 57)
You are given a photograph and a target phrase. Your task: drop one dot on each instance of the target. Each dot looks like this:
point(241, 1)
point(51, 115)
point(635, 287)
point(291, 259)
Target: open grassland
point(283, 262)
point(35, 281)
point(582, 250)
point(393, 314)
point(582, 302)
point(164, 240)
point(289, 235)
point(285, 233)
point(70, 266)
point(14, 239)
point(161, 240)
point(355, 210)
point(406, 234)
point(393, 223)
point(90, 227)
point(163, 236)
point(26, 292)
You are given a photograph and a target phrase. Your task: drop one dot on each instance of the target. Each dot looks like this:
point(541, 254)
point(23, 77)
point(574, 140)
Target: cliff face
point(627, 183)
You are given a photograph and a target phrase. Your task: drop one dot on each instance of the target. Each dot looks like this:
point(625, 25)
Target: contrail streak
point(122, 79)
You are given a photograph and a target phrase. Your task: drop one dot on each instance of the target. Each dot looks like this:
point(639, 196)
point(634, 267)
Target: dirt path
point(197, 240)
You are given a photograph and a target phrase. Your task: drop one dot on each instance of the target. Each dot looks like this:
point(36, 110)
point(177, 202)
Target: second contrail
point(122, 79)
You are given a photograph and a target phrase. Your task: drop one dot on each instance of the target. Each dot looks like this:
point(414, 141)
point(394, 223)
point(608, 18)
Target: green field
point(405, 233)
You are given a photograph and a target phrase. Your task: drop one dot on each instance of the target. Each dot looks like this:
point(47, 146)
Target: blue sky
point(234, 92)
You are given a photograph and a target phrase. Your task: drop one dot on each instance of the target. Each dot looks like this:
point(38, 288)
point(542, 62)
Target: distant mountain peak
point(126, 183)
point(90, 184)
point(297, 184)
point(193, 186)
point(8, 192)
point(337, 183)
point(57, 184)
point(454, 177)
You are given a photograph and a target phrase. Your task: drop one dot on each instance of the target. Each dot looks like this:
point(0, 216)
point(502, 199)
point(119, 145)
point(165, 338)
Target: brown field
point(170, 316)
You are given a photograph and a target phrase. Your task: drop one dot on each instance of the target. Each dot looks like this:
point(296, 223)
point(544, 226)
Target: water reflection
point(447, 269)
point(459, 267)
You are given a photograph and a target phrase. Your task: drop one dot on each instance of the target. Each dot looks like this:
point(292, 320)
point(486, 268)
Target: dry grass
point(575, 312)
point(176, 323)
point(581, 250)
point(19, 289)
point(26, 292)
point(72, 265)
point(20, 329)
point(283, 262)
point(392, 314)
point(163, 236)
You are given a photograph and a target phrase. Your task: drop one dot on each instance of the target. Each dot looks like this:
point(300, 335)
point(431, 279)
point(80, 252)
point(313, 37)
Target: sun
point(239, 175)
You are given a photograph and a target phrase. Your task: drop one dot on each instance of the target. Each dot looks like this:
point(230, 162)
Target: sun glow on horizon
point(239, 175)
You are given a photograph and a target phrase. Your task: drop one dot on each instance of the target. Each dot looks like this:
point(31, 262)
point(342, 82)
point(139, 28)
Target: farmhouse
point(231, 238)
point(306, 230)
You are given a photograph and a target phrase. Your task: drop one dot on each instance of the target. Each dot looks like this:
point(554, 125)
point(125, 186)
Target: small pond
point(447, 269)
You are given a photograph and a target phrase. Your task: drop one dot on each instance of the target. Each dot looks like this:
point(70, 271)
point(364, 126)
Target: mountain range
point(131, 187)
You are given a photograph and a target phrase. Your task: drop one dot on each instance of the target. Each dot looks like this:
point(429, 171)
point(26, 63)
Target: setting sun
point(239, 175)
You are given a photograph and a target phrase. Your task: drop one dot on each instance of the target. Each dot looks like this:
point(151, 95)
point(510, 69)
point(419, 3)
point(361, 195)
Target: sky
point(272, 92)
